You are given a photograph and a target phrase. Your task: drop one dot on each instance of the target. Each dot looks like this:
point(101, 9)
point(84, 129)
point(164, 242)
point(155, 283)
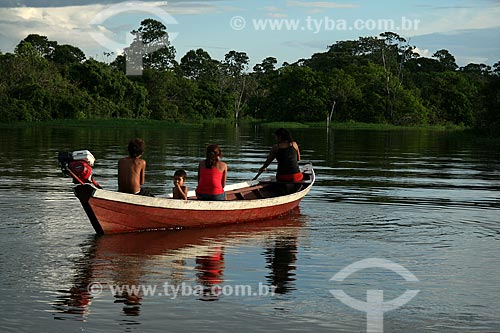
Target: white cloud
point(426, 53)
point(66, 25)
point(72, 24)
point(274, 12)
point(451, 19)
point(191, 8)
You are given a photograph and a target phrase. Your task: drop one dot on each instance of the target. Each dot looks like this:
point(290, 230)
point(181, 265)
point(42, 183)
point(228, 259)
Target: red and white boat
point(115, 212)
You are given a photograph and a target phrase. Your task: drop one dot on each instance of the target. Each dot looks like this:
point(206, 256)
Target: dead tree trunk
point(329, 118)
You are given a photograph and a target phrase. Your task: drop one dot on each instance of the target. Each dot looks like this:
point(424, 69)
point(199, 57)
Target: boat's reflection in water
point(175, 259)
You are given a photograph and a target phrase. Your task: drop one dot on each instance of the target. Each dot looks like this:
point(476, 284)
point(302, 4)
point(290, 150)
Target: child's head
point(179, 176)
point(214, 153)
point(136, 147)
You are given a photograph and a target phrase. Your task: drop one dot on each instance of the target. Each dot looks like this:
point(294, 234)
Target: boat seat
point(252, 192)
point(258, 193)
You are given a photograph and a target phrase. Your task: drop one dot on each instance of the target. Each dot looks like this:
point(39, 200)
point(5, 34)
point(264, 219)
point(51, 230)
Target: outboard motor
point(78, 164)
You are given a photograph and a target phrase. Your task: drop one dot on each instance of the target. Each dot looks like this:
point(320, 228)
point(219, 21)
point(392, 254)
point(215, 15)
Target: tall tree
point(446, 59)
point(42, 45)
point(150, 48)
point(263, 78)
point(235, 63)
point(267, 66)
point(235, 79)
point(67, 54)
point(198, 65)
point(395, 51)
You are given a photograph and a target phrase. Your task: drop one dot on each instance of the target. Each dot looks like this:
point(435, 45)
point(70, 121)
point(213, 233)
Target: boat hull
point(113, 212)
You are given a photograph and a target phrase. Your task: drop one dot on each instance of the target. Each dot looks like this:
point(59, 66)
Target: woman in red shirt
point(212, 174)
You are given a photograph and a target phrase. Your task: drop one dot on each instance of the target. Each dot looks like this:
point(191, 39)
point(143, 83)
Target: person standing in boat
point(287, 153)
point(131, 169)
point(212, 174)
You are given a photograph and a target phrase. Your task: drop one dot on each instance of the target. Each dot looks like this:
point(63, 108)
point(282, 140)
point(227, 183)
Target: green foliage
point(67, 54)
point(297, 94)
point(451, 96)
point(165, 94)
point(488, 119)
point(376, 79)
point(198, 65)
point(117, 96)
point(35, 89)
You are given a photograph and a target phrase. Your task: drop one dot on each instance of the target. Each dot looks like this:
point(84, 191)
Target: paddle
point(257, 176)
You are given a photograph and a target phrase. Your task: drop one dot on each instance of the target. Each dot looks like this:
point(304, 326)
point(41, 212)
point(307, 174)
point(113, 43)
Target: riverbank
point(116, 123)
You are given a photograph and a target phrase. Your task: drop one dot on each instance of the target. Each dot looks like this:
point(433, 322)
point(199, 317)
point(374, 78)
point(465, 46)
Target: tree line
point(378, 79)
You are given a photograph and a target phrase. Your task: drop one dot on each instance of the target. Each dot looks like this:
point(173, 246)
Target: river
point(391, 213)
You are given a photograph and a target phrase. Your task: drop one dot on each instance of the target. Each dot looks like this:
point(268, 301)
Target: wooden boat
point(115, 212)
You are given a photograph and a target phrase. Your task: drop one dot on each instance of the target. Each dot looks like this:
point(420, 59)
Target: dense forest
point(373, 79)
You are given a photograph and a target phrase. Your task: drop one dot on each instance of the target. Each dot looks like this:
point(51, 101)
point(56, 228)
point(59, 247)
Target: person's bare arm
point(180, 192)
point(270, 158)
point(143, 172)
point(296, 146)
point(224, 175)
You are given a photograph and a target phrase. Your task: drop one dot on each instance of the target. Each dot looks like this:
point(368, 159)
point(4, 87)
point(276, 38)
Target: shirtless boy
point(131, 169)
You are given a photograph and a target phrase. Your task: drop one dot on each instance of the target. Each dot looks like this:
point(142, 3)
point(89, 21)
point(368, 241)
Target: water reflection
point(77, 299)
point(210, 271)
point(281, 255)
point(425, 199)
point(126, 269)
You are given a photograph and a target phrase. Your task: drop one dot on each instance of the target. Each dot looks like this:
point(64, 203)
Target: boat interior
point(267, 189)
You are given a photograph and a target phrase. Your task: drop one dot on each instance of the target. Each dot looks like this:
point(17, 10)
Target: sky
point(288, 30)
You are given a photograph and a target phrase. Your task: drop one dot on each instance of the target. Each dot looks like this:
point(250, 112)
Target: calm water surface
point(426, 200)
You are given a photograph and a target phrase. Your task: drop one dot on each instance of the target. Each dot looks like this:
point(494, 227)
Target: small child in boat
point(180, 191)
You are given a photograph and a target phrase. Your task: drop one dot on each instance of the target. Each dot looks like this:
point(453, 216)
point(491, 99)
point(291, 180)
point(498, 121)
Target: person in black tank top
point(287, 154)
point(287, 161)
